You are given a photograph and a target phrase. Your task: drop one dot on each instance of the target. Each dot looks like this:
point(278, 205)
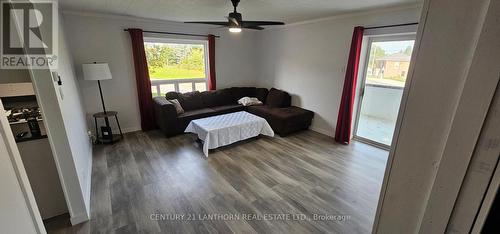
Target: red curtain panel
point(344, 120)
point(142, 79)
point(211, 61)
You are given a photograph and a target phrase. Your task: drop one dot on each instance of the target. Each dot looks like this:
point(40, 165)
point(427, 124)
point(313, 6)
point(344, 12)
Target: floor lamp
point(99, 71)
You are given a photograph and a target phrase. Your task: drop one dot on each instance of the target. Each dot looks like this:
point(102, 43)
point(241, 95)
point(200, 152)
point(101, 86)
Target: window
point(389, 62)
point(176, 65)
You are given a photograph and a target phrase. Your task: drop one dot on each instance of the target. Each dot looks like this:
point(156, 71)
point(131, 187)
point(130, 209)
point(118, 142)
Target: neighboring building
point(393, 65)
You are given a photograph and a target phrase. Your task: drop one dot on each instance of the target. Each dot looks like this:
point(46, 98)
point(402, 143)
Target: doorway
point(383, 78)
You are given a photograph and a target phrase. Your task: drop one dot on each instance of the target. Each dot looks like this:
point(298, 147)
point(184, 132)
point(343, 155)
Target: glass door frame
point(362, 79)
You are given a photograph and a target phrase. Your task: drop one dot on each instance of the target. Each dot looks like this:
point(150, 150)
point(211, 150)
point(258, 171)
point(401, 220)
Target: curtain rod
point(394, 25)
point(173, 33)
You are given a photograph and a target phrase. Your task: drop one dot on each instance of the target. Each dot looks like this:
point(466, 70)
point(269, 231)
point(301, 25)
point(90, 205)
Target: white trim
point(487, 202)
point(78, 218)
point(89, 186)
point(362, 75)
point(322, 131)
point(171, 40)
point(133, 18)
point(208, 27)
point(402, 109)
point(396, 30)
point(480, 82)
point(372, 143)
point(129, 129)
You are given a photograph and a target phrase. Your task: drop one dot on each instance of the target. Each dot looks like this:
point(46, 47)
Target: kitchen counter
point(30, 138)
point(43, 177)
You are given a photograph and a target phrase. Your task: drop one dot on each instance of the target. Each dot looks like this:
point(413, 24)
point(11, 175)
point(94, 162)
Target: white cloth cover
point(226, 129)
point(249, 101)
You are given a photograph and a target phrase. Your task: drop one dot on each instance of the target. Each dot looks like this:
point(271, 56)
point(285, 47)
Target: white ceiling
point(288, 11)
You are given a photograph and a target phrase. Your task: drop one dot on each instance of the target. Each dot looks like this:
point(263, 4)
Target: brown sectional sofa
point(277, 109)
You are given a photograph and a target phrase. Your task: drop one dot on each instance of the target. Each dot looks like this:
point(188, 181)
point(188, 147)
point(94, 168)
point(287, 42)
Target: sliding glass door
point(384, 75)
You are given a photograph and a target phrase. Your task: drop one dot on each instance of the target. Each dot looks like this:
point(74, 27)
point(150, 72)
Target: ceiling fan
point(235, 21)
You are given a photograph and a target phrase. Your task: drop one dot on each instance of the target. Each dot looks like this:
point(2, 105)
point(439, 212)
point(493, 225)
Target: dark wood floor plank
point(303, 175)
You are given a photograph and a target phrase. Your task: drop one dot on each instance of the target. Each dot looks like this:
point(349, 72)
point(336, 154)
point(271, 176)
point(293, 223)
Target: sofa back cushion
point(189, 101)
point(278, 98)
point(220, 97)
point(230, 96)
point(261, 94)
point(172, 95)
point(239, 92)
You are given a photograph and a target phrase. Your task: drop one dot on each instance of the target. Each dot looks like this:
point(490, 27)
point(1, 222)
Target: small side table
point(108, 114)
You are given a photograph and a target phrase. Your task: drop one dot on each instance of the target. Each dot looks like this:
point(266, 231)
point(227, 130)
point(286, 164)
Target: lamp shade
point(96, 71)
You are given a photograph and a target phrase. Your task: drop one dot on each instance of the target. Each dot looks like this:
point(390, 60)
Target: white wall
point(14, 76)
point(66, 129)
point(100, 38)
point(448, 93)
point(308, 59)
point(73, 115)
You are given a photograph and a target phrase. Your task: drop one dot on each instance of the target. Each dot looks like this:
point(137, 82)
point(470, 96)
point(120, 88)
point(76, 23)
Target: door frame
point(362, 78)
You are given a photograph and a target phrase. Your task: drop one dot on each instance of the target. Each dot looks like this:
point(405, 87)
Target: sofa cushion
point(261, 94)
point(172, 95)
point(277, 98)
point(189, 101)
point(228, 109)
point(217, 98)
point(209, 98)
point(287, 114)
point(284, 120)
point(197, 114)
point(178, 107)
point(239, 92)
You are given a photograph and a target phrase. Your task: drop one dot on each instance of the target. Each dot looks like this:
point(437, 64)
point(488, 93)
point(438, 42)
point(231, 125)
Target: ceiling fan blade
point(254, 27)
point(261, 23)
point(209, 22)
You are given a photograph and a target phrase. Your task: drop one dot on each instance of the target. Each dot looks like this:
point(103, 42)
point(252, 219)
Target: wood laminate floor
point(151, 184)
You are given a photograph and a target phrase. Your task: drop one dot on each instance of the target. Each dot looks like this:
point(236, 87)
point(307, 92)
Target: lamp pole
point(100, 92)
point(102, 101)
point(103, 106)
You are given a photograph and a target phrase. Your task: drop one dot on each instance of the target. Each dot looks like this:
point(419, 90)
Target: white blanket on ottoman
point(226, 129)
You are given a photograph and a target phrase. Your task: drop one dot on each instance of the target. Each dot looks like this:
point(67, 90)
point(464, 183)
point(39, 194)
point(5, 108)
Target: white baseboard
point(323, 131)
point(78, 218)
point(89, 185)
point(129, 129)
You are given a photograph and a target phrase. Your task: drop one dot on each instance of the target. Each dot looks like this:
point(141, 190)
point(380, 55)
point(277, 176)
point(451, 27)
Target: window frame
point(204, 43)
point(362, 73)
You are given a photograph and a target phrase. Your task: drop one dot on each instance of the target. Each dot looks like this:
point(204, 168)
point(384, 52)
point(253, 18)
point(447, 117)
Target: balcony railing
point(160, 87)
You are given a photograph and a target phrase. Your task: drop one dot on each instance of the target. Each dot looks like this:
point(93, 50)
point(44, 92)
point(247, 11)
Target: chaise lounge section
point(276, 109)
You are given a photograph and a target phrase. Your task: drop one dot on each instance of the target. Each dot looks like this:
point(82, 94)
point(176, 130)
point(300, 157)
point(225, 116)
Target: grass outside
point(170, 73)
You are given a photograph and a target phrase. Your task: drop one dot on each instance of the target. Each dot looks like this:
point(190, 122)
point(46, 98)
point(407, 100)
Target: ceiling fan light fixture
point(235, 29)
